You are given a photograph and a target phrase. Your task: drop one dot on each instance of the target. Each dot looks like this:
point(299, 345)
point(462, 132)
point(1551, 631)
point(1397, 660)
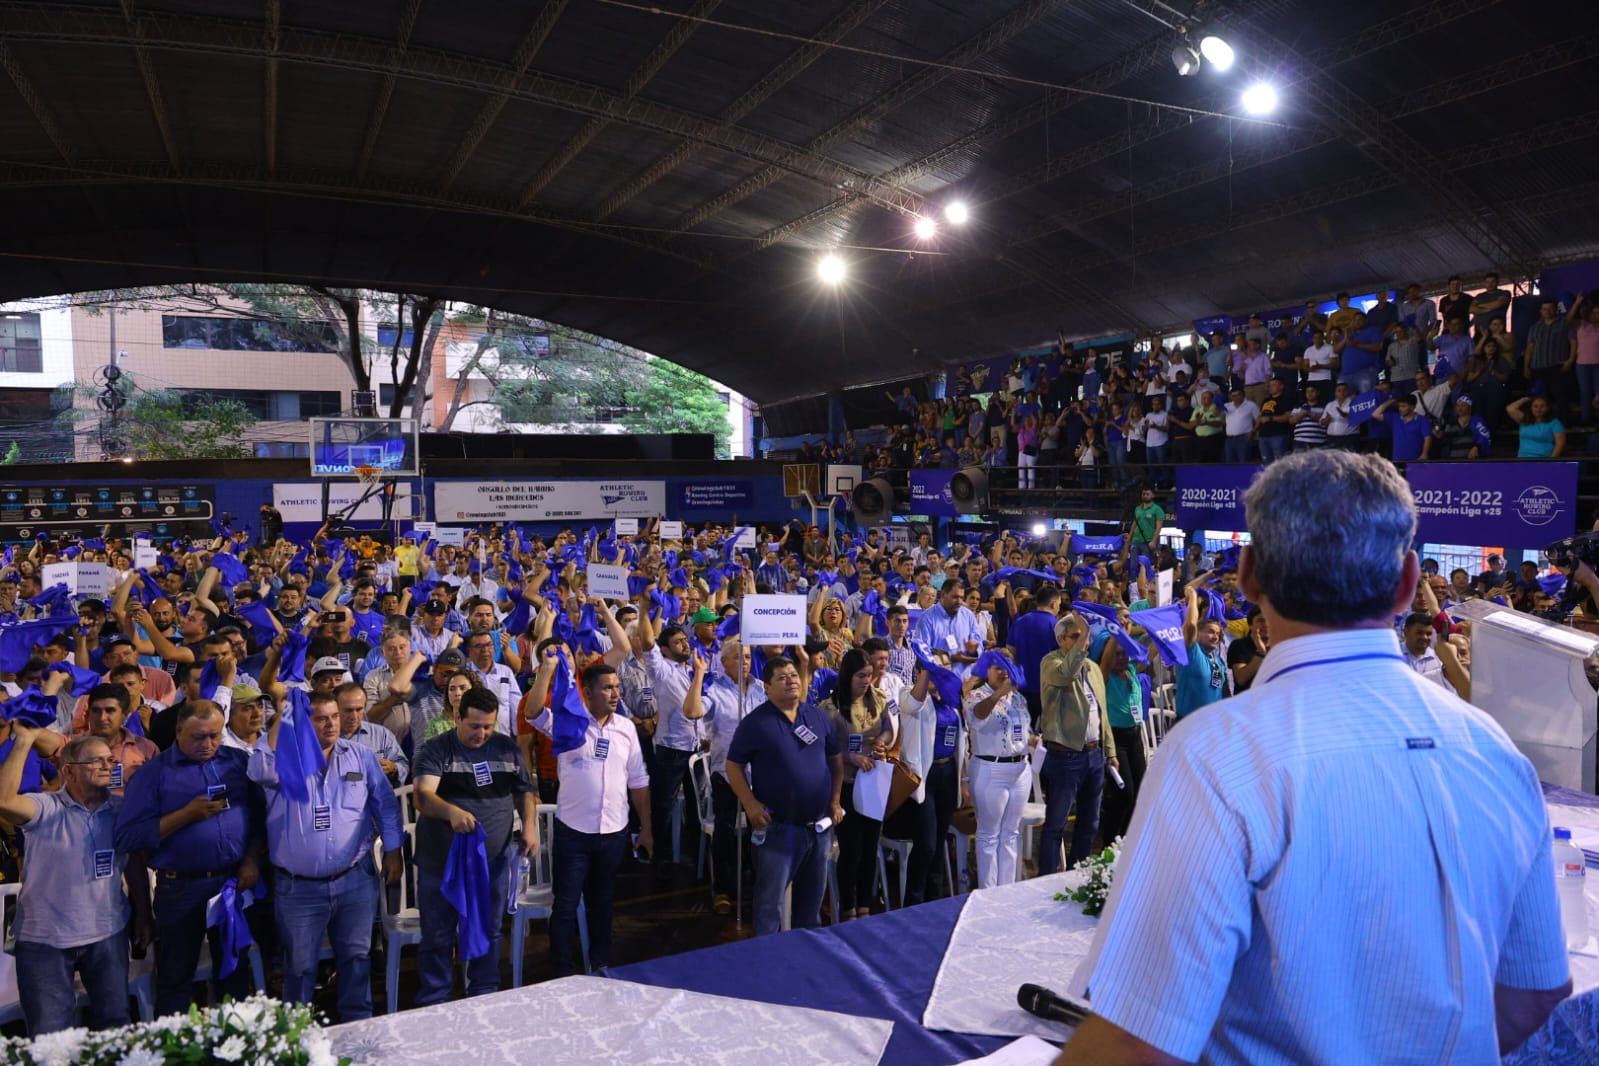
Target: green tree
point(672, 399)
point(166, 424)
point(13, 455)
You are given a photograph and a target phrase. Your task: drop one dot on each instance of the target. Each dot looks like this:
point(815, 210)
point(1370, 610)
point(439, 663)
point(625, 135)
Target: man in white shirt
point(1443, 944)
point(1335, 416)
point(732, 695)
point(1419, 653)
point(599, 776)
point(1319, 360)
point(1241, 415)
point(496, 677)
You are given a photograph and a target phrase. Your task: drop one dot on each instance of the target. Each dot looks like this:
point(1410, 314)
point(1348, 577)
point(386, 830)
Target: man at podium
point(1347, 863)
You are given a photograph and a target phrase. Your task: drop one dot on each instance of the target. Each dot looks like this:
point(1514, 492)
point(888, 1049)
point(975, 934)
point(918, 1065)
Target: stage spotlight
point(957, 212)
point(1039, 529)
point(926, 228)
point(1185, 59)
point(830, 268)
point(1260, 99)
point(1217, 52)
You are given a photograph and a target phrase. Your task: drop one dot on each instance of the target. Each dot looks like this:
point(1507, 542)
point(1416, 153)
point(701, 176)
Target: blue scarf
point(18, 640)
point(32, 707)
point(82, 680)
point(990, 659)
point(226, 913)
point(1164, 626)
point(946, 683)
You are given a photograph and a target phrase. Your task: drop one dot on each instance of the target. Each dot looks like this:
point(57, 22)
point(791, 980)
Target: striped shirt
point(1335, 867)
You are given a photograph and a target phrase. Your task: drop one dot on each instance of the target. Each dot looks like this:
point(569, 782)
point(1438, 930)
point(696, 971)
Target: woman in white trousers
point(999, 773)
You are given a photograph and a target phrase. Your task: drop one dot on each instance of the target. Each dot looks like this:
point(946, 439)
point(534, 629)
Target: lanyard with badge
point(321, 811)
point(1088, 694)
point(602, 745)
point(104, 858)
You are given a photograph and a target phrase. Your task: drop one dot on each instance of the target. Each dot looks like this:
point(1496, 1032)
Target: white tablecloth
point(1006, 937)
point(590, 1021)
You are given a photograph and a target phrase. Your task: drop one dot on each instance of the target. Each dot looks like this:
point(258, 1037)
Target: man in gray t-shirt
point(467, 780)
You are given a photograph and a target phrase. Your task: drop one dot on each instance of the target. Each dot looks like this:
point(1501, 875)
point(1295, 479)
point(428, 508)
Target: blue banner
point(1362, 406)
point(720, 495)
point(1212, 497)
point(1082, 544)
point(930, 493)
point(1503, 505)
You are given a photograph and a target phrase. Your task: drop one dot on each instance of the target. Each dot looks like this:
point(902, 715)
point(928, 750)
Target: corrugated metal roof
point(1097, 213)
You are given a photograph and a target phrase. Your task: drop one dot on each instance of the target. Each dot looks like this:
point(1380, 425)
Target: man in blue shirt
point(1360, 357)
point(952, 626)
point(1412, 434)
point(785, 766)
point(194, 813)
point(1031, 637)
point(1204, 680)
point(325, 883)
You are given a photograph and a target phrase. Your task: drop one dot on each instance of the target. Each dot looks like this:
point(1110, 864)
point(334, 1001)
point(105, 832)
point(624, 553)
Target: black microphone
point(1040, 1001)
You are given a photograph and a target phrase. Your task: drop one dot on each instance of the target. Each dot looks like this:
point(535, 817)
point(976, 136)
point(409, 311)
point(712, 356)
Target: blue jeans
point(790, 854)
point(344, 909)
point(180, 931)
point(1070, 778)
point(1117, 450)
point(666, 788)
point(435, 956)
point(1272, 448)
point(44, 982)
point(1236, 449)
point(585, 870)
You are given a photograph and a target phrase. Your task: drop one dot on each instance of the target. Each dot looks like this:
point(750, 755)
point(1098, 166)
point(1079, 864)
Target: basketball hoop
point(369, 475)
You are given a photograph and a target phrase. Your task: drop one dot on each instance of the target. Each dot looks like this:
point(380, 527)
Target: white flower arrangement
point(259, 1031)
point(1097, 871)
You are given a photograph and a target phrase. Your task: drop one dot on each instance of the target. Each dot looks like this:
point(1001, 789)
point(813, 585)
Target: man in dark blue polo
point(194, 813)
point(1031, 637)
point(786, 769)
point(325, 883)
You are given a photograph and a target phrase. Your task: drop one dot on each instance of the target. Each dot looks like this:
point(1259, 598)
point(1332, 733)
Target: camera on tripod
point(1567, 553)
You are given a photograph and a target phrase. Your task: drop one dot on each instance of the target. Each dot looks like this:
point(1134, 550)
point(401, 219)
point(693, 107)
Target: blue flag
point(1165, 628)
point(823, 682)
point(210, 681)
point(1102, 619)
point(291, 664)
point(82, 680)
point(258, 616)
point(32, 707)
point(1362, 406)
point(232, 928)
point(53, 601)
point(990, 659)
point(467, 887)
point(299, 753)
point(946, 683)
point(570, 717)
point(1082, 544)
point(727, 627)
point(230, 571)
point(18, 640)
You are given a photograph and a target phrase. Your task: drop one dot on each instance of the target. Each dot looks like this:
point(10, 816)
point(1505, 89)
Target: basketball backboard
point(341, 445)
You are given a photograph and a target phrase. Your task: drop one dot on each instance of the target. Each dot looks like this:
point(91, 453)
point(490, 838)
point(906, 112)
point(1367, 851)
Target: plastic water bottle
point(1570, 878)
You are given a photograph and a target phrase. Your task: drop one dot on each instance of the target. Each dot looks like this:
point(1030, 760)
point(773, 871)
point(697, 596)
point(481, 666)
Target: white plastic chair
point(535, 897)
point(400, 927)
point(407, 805)
point(1032, 811)
point(901, 850)
point(699, 775)
point(10, 993)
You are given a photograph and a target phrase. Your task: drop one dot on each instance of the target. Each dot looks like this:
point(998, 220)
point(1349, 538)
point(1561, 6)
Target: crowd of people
point(281, 731)
point(1449, 378)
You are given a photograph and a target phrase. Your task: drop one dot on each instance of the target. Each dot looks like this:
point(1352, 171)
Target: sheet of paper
point(1028, 1051)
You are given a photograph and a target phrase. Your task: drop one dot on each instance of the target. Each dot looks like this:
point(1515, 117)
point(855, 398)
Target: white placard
point(870, 795)
point(81, 579)
point(609, 582)
point(455, 535)
point(546, 501)
point(745, 540)
point(301, 501)
point(671, 530)
point(772, 620)
point(420, 528)
point(1163, 585)
point(145, 555)
point(627, 527)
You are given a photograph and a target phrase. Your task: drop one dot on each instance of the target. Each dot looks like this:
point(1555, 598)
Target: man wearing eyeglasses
point(73, 913)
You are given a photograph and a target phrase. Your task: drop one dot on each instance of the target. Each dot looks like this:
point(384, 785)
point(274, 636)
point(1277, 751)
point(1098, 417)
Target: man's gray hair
point(1329, 533)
